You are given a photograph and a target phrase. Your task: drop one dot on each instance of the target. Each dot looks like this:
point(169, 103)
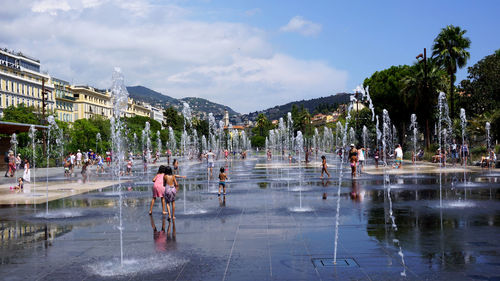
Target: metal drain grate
point(328, 262)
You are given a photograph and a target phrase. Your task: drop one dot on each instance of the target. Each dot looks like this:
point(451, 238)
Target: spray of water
point(119, 97)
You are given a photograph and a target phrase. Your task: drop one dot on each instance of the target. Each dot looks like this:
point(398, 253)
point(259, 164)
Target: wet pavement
point(277, 222)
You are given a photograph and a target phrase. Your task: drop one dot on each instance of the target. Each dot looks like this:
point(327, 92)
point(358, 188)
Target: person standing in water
point(210, 162)
point(158, 190)
point(170, 191)
point(353, 159)
point(222, 181)
point(361, 159)
point(324, 166)
point(464, 153)
point(399, 156)
point(27, 173)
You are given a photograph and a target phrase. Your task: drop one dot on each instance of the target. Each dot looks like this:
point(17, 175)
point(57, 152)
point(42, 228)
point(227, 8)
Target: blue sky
point(249, 55)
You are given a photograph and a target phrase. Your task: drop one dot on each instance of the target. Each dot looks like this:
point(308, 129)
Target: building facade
point(157, 114)
point(136, 108)
point(21, 82)
point(65, 100)
point(91, 102)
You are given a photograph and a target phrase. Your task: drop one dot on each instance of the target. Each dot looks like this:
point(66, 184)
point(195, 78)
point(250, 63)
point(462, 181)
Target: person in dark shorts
point(222, 180)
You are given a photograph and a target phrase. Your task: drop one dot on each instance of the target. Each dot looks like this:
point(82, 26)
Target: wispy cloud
point(300, 25)
point(162, 47)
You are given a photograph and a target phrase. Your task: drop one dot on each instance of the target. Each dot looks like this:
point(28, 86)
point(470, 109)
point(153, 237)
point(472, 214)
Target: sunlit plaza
point(263, 140)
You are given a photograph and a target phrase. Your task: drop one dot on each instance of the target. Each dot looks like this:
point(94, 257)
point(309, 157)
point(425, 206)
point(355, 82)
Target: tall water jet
point(13, 146)
point(134, 147)
point(13, 143)
point(414, 130)
point(341, 171)
point(338, 134)
point(97, 140)
point(52, 127)
point(463, 123)
point(171, 139)
point(444, 116)
point(32, 134)
point(379, 133)
point(365, 136)
point(487, 127)
point(158, 143)
point(119, 97)
point(352, 136)
point(147, 139)
point(289, 124)
point(186, 112)
point(386, 135)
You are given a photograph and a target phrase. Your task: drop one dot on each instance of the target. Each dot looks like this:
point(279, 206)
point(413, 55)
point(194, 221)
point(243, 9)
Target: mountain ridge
point(278, 111)
point(199, 106)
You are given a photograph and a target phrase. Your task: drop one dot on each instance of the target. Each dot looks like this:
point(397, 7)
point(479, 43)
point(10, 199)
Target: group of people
point(13, 164)
point(454, 151)
point(165, 187)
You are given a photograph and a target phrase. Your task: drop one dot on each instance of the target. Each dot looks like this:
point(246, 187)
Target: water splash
point(52, 127)
point(119, 97)
point(414, 130)
point(32, 135)
point(487, 127)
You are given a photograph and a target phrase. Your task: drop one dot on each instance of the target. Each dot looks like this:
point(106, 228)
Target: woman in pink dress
point(158, 189)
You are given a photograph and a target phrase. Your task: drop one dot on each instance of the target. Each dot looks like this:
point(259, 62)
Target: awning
point(9, 127)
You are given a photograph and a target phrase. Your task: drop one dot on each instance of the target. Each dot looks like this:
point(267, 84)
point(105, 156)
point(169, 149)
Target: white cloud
point(161, 47)
point(50, 6)
point(300, 25)
point(254, 83)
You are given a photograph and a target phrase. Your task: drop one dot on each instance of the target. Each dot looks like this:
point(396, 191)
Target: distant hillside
point(280, 110)
point(144, 94)
point(203, 105)
point(199, 107)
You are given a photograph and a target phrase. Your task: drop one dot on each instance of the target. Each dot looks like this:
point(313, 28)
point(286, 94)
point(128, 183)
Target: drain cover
point(328, 262)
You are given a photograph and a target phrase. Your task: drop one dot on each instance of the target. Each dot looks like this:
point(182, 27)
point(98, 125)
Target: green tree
point(20, 114)
point(201, 127)
point(305, 122)
point(450, 50)
point(480, 92)
point(481, 89)
point(262, 124)
point(421, 89)
point(386, 88)
point(173, 119)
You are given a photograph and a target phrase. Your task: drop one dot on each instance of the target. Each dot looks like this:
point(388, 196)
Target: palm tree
point(421, 89)
point(261, 123)
point(450, 50)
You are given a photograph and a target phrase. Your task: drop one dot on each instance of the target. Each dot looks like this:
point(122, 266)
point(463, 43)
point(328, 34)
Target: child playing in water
point(20, 184)
point(222, 180)
point(129, 167)
point(175, 163)
point(353, 159)
point(324, 166)
point(158, 189)
point(170, 191)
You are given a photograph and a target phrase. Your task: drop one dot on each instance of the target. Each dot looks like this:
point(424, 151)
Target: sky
point(249, 55)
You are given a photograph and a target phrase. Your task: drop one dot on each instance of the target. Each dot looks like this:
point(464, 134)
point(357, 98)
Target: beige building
point(21, 82)
point(65, 100)
point(91, 102)
point(136, 108)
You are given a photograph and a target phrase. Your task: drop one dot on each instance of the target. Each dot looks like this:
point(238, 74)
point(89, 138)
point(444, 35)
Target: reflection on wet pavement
point(272, 225)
